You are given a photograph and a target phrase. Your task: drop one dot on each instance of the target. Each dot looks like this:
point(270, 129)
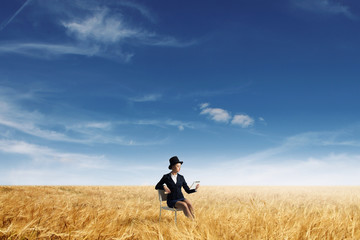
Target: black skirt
point(171, 203)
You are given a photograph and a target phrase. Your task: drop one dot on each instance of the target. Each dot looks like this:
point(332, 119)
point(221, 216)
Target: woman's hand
point(197, 186)
point(167, 190)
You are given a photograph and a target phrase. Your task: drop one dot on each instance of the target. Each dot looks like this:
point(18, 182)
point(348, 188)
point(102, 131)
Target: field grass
point(132, 212)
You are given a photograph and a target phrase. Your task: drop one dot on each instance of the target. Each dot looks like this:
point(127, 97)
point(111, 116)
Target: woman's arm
point(186, 187)
point(160, 185)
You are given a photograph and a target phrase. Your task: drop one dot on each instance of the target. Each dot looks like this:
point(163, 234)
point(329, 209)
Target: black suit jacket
point(174, 188)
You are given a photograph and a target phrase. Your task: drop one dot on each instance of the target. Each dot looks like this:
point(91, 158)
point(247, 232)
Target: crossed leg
point(187, 208)
point(190, 206)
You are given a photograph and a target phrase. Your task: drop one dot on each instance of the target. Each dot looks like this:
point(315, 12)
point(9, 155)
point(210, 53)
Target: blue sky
point(244, 92)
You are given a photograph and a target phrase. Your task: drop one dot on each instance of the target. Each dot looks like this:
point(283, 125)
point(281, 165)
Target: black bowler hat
point(174, 160)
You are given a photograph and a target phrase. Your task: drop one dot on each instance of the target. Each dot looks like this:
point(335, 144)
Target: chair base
point(169, 209)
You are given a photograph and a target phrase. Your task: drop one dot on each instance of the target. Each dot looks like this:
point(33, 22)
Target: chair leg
point(175, 217)
point(160, 215)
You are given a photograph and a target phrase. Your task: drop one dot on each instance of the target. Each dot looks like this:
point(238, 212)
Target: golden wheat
point(132, 212)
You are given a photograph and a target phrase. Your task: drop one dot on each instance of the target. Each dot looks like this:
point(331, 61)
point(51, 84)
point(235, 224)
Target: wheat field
point(132, 212)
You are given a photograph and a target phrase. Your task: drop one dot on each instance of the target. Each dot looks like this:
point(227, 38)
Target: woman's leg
point(183, 206)
point(190, 206)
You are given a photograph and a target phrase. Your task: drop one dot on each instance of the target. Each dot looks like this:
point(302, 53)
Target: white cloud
point(242, 120)
point(222, 115)
point(324, 6)
point(217, 114)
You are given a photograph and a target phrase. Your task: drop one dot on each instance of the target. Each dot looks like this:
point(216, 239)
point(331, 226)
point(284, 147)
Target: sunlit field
point(128, 212)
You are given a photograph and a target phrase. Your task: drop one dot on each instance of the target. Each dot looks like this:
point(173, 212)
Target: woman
point(171, 183)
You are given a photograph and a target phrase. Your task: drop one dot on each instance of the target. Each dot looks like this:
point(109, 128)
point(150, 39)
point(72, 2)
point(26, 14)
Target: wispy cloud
point(28, 122)
point(58, 173)
point(34, 123)
point(87, 133)
point(165, 41)
point(336, 138)
point(44, 50)
point(8, 21)
point(204, 105)
point(98, 125)
point(213, 93)
point(86, 128)
point(331, 139)
point(22, 120)
point(146, 98)
point(281, 165)
point(45, 154)
point(101, 27)
point(142, 9)
point(98, 31)
point(325, 6)
point(181, 125)
point(331, 169)
point(262, 120)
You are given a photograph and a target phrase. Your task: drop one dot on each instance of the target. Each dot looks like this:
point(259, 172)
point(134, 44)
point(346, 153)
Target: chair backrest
point(162, 195)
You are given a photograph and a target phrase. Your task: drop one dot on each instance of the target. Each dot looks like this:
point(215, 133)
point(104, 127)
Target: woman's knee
point(188, 203)
point(181, 204)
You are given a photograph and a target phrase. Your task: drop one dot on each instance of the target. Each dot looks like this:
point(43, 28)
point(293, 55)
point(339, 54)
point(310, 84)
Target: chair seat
point(171, 209)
